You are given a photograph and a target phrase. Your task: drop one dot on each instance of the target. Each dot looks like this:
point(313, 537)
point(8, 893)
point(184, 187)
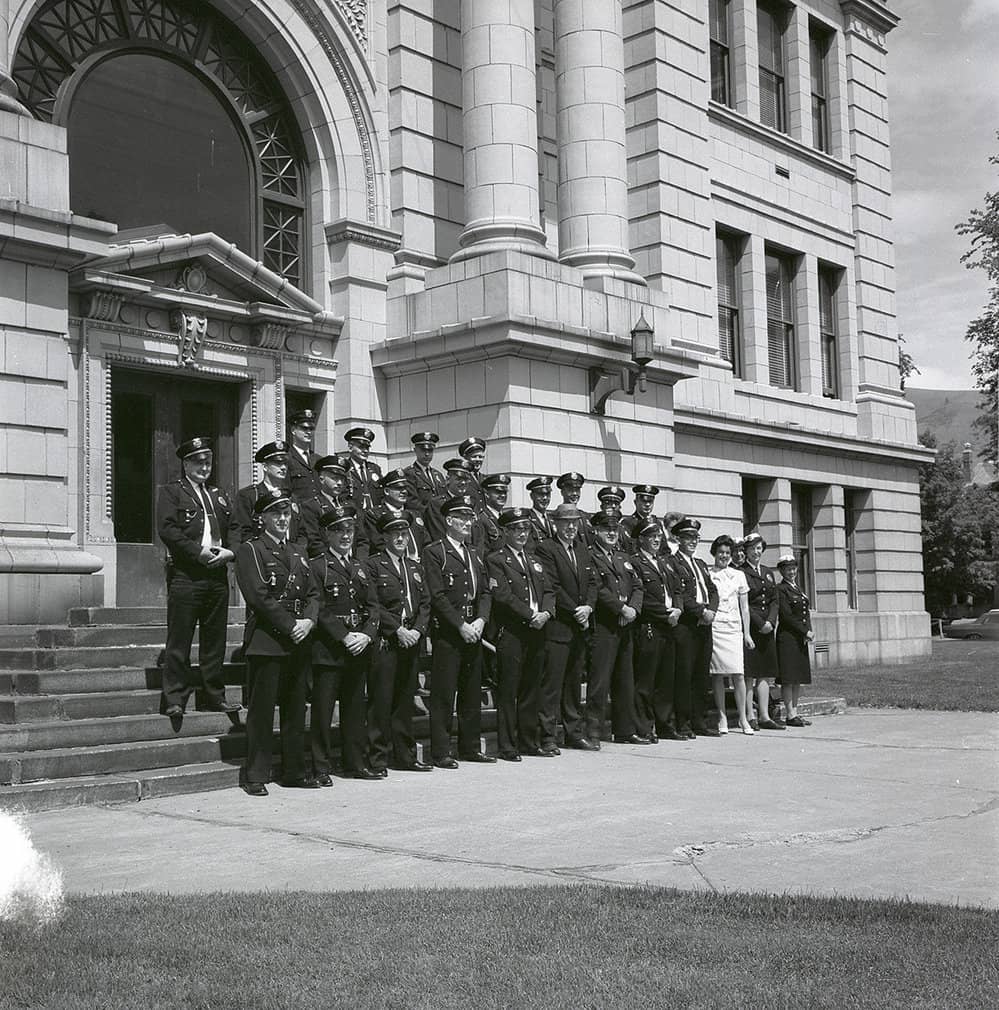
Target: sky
point(943, 99)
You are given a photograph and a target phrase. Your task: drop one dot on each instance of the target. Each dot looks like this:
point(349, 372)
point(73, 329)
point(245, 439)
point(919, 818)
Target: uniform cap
point(458, 464)
point(303, 419)
point(330, 463)
point(393, 477)
point(269, 499)
point(495, 480)
point(273, 450)
point(565, 513)
point(360, 435)
point(571, 479)
point(388, 522)
point(612, 493)
point(540, 482)
point(610, 520)
point(648, 528)
point(425, 438)
point(193, 446)
point(337, 516)
point(752, 539)
point(514, 517)
point(460, 503)
point(649, 489)
point(786, 559)
point(686, 525)
point(470, 445)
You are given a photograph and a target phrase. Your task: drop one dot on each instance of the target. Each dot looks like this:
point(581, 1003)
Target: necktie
point(702, 592)
point(400, 564)
point(662, 572)
point(472, 593)
point(211, 519)
point(570, 554)
point(532, 597)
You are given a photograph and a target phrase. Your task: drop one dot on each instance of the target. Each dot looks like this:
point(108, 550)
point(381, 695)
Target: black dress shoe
point(366, 774)
point(583, 744)
point(653, 738)
point(553, 752)
point(510, 757)
point(634, 738)
point(174, 712)
point(325, 780)
point(382, 773)
point(478, 758)
point(255, 789)
point(445, 762)
point(770, 724)
point(221, 706)
point(538, 752)
point(702, 730)
point(305, 782)
point(671, 734)
point(413, 766)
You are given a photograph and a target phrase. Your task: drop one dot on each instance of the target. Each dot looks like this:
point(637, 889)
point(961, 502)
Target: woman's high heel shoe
point(746, 728)
point(722, 725)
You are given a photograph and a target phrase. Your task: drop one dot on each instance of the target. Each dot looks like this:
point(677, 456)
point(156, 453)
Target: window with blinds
point(819, 41)
point(728, 249)
point(721, 66)
point(801, 534)
point(852, 507)
point(829, 278)
point(750, 505)
point(771, 23)
point(780, 320)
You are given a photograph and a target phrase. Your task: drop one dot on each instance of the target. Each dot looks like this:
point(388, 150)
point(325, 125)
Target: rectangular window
point(819, 41)
point(829, 278)
point(750, 505)
point(721, 53)
point(780, 320)
point(728, 249)
point(851, 514)
point(771, 23)
point(801, 534)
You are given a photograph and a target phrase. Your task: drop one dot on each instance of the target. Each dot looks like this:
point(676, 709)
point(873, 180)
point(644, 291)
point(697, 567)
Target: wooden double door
point(151, 414)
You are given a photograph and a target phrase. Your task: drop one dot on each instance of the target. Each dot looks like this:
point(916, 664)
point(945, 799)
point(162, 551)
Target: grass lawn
point(579, 947)
point(959, 676)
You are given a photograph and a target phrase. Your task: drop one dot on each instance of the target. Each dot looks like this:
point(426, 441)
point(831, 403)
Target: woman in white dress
point(729, 634)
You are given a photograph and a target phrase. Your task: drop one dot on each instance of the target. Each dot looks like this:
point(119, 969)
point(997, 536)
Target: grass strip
point(575, 947)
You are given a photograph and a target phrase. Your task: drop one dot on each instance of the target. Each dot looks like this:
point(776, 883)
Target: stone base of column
point(481, 238)
point(595, 261)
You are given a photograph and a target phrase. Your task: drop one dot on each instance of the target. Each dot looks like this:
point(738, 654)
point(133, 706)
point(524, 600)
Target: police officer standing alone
point(194, 525)
point(282, 605)
point(301, 459)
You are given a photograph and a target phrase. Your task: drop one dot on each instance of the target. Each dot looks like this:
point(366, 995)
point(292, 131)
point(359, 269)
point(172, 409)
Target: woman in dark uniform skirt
point(794, 632)
point(761, 661)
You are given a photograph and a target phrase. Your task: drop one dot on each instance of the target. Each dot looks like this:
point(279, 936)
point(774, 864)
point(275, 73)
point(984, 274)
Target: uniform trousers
point(392, 683)
point(655, 680)
point(456, 672)
point(276, 680)
point(610, 663)
point(345, 681)
point(693, 663)
point(520, 658)
point(561, 688)
point(202, 601)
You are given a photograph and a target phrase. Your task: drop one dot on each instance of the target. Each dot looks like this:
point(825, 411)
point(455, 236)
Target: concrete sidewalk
point(874, 803)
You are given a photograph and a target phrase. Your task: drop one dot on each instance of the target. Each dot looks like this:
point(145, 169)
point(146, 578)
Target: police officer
point(570, 486)
point(610, 499)
point(332, 494)
point(523, 603)
point(473, 449)
point(645, 500)
point(460, 603)
point(655, 642)
point(567, 563)
point(404, 607)
point(764, 607)
point(486, 533)
point(693, 632)
point(458, 482)
point(540, 490)
point(301, 459)
point(273, 459)
point(194, 524)
point(394, 487)
point(619, 601)
point(425, 481)
point(794, 632)
point(341, 651)
point(282, 604)
point(362, 474)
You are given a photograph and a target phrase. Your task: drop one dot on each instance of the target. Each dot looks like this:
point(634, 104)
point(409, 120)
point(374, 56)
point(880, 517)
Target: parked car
point(986, 626)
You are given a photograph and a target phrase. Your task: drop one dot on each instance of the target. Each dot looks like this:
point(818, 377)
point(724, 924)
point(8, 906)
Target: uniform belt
point(468, 611)
point(355, 619)
point(296, 607)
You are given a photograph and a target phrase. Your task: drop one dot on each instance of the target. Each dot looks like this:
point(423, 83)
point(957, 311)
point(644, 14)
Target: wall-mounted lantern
point(628, 379)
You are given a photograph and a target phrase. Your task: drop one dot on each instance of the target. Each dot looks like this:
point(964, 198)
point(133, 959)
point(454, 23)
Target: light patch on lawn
point(31, 890)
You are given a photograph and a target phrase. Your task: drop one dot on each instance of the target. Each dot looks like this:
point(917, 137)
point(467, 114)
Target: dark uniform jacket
point(302, 480)
point(314, 508)
point(278, 588)
point(792, 607)
point(617, 584)
point(423, 485)
point(486, 534)
point(762, 597)
point(452, 602)
point(181, 523)
point(366, 494)
point(509, 585)
point(542, 529)
point(376, 539)
point(245, 526)
point(390, 587)
point(574, 584)
point(348, 602)
point(628, 539)
point(692, 609)
point(658, 579)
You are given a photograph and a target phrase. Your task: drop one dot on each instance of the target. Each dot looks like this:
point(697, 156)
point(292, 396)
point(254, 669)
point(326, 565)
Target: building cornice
point(867, 17)
point(363, 233)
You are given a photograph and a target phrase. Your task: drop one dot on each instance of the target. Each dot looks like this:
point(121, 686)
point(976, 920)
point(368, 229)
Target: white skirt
point(726, 647)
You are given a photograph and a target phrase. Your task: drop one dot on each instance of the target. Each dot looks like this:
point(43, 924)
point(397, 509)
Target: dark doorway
point(151, 414)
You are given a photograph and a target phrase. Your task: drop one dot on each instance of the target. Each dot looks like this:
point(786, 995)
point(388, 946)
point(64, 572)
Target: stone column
point(592, 155)
point(499, 129)
point(8, 89)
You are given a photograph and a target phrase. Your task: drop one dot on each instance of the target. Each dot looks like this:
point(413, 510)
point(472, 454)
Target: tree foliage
point(958, 525)
point(906, 364)
point(982, 228)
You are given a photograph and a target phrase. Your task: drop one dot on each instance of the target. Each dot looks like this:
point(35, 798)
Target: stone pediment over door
point(202, 288)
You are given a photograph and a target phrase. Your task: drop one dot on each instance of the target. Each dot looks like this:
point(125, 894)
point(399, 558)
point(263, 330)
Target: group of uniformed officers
point(354, 579)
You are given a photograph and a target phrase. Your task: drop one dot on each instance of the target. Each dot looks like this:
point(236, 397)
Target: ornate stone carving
point(269, 335)
point(103, 306)
point(355, 13)
point(191, 328)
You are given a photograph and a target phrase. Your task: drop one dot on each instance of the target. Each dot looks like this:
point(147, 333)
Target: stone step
point(123, 788)
point(28, 708)
point(31, 682)
point(90, 657)
point(81, 616)
point(115, 634)
point(62, 733)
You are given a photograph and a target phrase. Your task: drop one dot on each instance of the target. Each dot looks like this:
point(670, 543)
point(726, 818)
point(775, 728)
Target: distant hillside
point(948, 414)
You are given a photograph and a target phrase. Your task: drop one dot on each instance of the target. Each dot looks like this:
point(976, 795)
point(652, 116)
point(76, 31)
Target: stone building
point(453, 214)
